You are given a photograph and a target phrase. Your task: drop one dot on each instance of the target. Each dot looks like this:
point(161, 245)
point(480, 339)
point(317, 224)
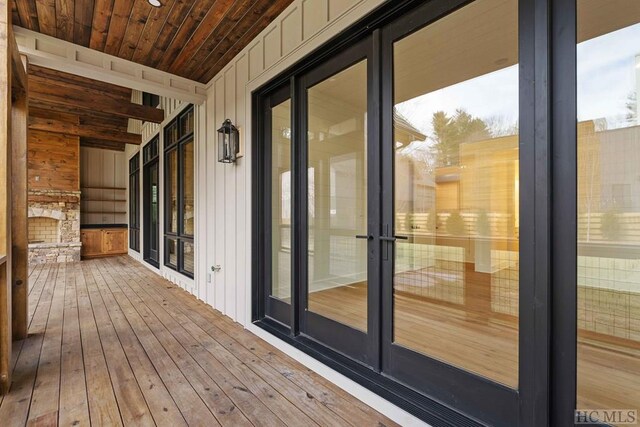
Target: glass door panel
point(456, 191)
point(337, 197)
point(281, 201)
point(608, 149)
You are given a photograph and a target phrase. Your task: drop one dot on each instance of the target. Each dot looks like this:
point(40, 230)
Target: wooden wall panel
point(53, 161)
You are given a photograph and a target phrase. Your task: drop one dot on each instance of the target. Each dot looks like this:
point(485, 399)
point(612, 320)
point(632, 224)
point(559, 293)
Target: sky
point(606, 76)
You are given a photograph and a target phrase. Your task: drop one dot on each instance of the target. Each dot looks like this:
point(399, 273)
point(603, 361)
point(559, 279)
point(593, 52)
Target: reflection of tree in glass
point(450, 132)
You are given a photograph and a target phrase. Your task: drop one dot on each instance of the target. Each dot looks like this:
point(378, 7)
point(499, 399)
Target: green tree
point(450, 132)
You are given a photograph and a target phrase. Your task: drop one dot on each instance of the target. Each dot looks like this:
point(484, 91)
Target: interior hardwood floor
point(112, 343)
point(608, 373)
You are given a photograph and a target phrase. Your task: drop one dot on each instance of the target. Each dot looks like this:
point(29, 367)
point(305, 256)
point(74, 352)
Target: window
point(134, 202)
point(179, 193)
point(151, 195)
point(150, 100)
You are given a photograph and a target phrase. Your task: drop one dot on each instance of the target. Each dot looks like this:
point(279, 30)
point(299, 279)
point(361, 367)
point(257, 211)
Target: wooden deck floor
point(112, 343)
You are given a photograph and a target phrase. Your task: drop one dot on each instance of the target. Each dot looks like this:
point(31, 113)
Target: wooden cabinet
point(91, 242)
point(100, 242)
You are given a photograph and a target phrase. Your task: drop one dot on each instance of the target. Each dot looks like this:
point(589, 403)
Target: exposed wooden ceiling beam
point(62, 116)
point(63, 95)
point(85, 116)
point(51, 111)
point(102, 144)
point(86, 130)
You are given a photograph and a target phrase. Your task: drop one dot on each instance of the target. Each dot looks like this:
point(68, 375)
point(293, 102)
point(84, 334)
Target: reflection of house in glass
point(463, 222)
point(608, 231)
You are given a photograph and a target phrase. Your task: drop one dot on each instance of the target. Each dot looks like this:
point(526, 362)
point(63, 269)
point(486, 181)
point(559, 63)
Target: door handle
point(364, 236)
point(393, 238)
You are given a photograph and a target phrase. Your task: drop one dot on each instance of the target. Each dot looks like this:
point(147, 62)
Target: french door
point(337, 184)
point(389, 220)
point(451, 184)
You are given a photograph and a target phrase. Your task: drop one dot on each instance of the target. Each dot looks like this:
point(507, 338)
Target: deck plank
point(243, 370)
point(103, 406)
point(308, 399)
point(46, 392)
point(272, 364)
point(36, 292)
point(112, 343)
point(258, 413)
point(189, 403)
point(74, 405)
point(208, 390)
point(139, 391)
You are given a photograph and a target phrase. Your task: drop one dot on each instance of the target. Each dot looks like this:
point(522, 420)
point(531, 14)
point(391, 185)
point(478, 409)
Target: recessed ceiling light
point(155, 3)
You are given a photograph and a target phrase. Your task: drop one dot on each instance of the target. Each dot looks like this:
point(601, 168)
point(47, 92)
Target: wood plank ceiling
point(190, 38)
point(96, 112)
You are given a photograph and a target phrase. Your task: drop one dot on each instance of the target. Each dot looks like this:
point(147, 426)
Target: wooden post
point(19, 235)
point(5, 198)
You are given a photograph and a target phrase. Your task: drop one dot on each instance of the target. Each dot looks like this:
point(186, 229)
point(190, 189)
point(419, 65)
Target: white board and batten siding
point(304, 26)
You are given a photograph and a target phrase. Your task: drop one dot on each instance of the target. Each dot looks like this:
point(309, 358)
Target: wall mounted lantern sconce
point(228, 143)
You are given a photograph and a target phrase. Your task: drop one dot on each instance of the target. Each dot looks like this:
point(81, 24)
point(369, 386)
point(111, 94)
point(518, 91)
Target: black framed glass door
point(338, 206)
point(451, 185)
point(151, 194)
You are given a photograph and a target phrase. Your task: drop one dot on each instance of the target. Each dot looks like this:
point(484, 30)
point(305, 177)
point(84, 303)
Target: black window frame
point(548, 232)
point(151, 162)
point(134, 202)
point(177, 144)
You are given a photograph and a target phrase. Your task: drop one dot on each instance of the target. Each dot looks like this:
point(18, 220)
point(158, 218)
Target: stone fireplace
point(54, 226)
